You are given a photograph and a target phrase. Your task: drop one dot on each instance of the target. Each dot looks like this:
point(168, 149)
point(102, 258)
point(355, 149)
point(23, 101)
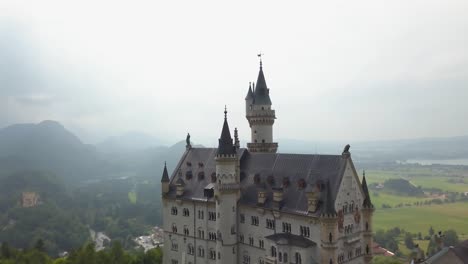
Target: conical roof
point(261, 94)
point(225, 146)
point(367, 201)
point(250, 95)
point(165, 176)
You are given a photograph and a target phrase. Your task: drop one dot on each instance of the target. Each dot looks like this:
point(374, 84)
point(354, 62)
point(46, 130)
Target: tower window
point(263, 141)
point(255, 141)
point(255, 131)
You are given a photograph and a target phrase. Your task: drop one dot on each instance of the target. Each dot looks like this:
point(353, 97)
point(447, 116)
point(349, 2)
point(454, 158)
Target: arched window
point(174, 245)
point(273, 251)
point(285, 257)
point(280, 257)
point(298, 258)
point(190, 249)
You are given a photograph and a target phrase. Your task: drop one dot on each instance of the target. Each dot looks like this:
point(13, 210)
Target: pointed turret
point(165, 180)
point(250, 95)
point(225, 146)
point(165, 176)
point(367, 200)
point(261, 116)
point(262, 93)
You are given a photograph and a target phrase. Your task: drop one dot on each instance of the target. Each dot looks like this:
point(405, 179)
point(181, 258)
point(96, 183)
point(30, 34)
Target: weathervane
point(260, 56)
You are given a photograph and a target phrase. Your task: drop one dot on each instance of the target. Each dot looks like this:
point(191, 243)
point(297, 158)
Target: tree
point(39, 246)
point(5, 250)
point(409, 243)
point(431, 231)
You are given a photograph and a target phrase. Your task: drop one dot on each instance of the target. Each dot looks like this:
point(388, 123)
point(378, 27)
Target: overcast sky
point(347, 70)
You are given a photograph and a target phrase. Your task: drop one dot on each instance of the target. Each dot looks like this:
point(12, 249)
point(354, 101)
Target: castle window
point(285, 257)
point(201, 175)
point(212, 216)
point(301, 184)
point(242, 218)
point(186, 212)
point(173, 261)
point(189, 164)
point(273, 251)
point(298, 258)
point(254, 220)
point(174, 228)
point(261, 243)
point(201, 234)
point(212, 236)
point(233, 229)
point(188, 175)
point(251, 241)
point(186, 231)
point(255, 141)
point(270, 223)
point(241, 238)
point(263, 141)
point(246, 259)
point(280, 257)
point(201, 252)
point(190, 249)
point(305, 231)
point(174, 246)
point(201, 214)
point(174, 210)
point(212, 254)
point(286, 227)
point(200, 164)
point(255, 131)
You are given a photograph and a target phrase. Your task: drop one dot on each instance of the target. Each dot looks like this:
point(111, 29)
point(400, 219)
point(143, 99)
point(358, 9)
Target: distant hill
point(48, 146)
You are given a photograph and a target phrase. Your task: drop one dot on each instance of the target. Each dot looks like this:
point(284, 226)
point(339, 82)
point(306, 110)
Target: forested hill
point(49, 146)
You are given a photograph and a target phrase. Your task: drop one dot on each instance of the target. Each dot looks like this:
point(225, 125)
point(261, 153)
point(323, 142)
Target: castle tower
point(226, 196)
point(329, 230)
point(261, 116)
point(165, 181)
point(367, 211)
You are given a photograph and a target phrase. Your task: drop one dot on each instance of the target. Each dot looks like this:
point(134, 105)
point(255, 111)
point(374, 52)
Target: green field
point(419, 218)
point(423, 177)
point(132, 197)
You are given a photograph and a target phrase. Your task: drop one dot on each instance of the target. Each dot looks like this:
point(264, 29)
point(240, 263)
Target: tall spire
point(225, 146)
point(250, 95)
point(367, 201)
point(165, 176)
point(261, 93)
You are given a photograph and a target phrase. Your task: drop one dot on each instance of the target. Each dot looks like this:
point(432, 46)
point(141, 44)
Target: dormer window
point(201, 175)
point(301, 184)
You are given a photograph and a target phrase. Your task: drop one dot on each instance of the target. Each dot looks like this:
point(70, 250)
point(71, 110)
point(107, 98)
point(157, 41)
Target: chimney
point(277, 195)
point(261, 196)
point(312, 200)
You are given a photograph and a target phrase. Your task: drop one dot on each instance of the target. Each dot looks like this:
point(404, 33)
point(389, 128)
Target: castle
point(233, 205)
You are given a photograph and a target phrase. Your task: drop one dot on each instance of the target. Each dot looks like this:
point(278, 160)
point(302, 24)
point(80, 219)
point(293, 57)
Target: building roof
point(290, 239)
point(225, 146)
point(261, 93)
point(268, 171)
point(165, 176)
point(367, 200)
point(461, 250)
point(250, 95)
